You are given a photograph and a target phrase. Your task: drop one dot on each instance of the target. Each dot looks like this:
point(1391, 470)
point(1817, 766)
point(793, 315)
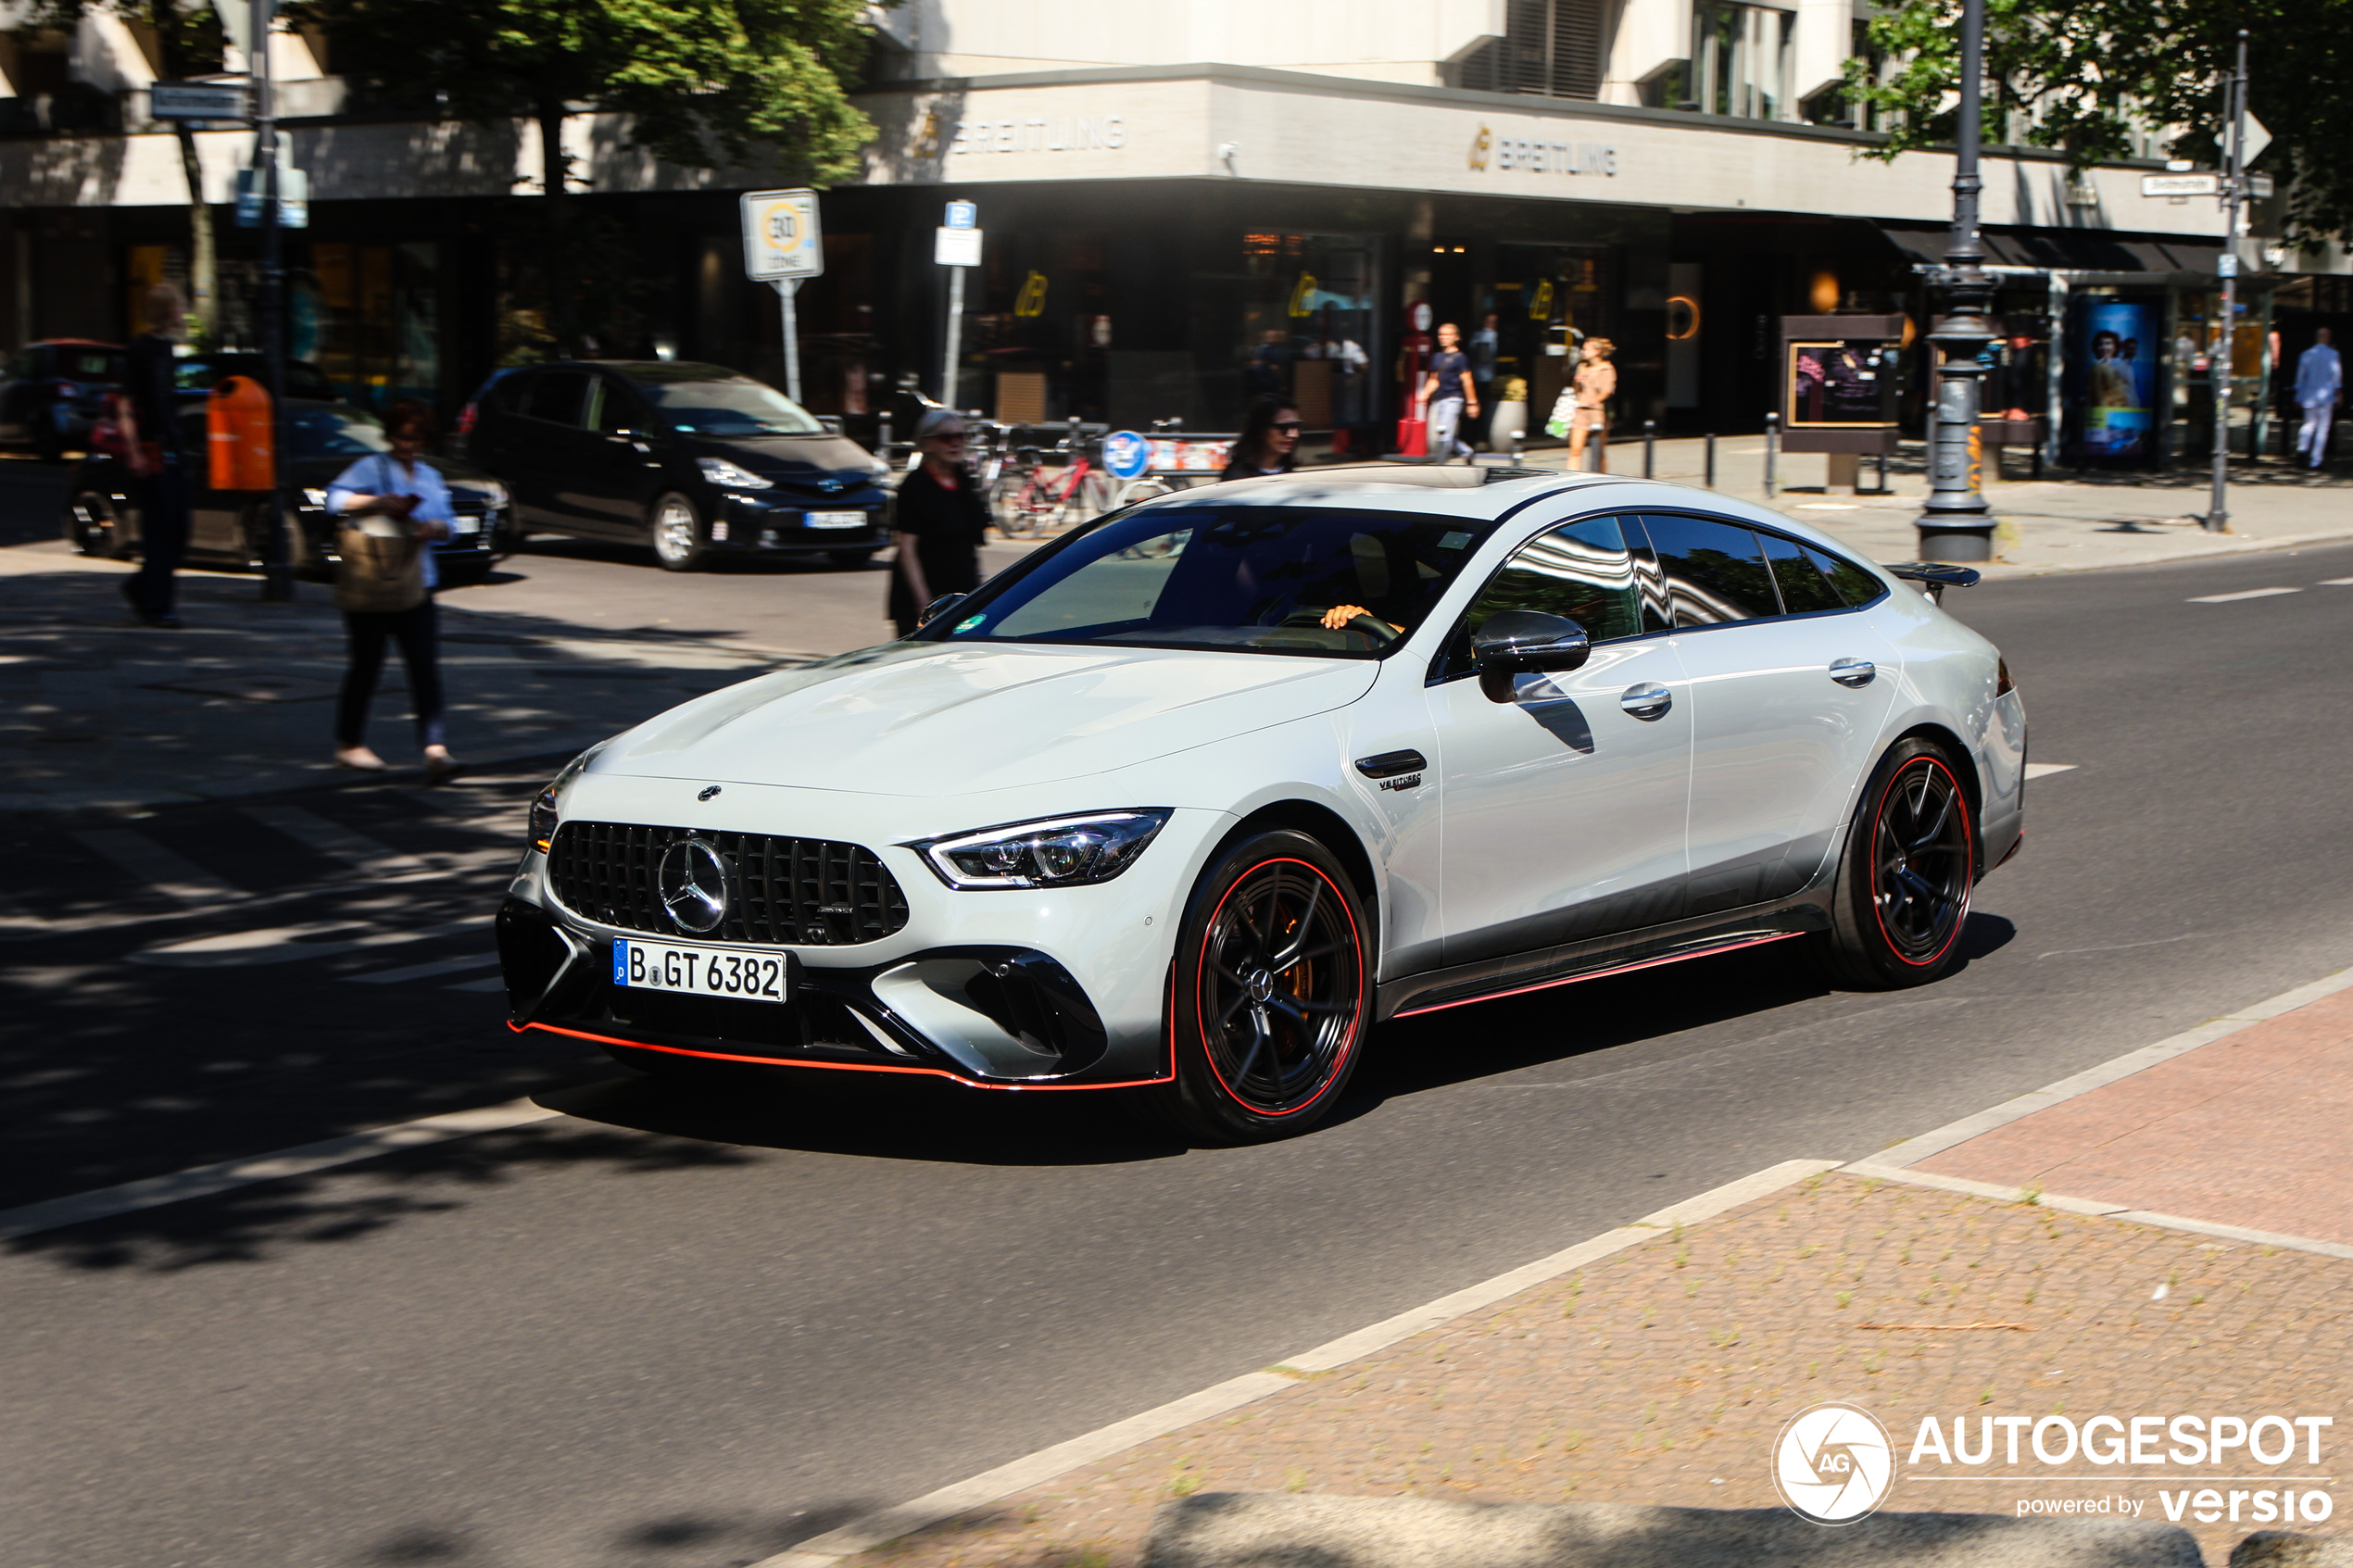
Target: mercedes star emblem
point(709, 790)
point(692, 883)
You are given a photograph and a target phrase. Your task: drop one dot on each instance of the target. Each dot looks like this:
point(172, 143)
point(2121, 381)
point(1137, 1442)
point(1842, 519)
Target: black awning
point(2071, 250)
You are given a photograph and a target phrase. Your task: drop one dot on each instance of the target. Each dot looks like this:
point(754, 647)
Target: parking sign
point(781, 238)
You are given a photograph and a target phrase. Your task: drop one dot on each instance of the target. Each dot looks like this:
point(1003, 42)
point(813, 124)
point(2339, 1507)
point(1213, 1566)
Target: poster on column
point(2114, 356)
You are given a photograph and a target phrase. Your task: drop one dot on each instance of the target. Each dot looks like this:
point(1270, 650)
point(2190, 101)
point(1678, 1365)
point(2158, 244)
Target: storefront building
point(1165, 240)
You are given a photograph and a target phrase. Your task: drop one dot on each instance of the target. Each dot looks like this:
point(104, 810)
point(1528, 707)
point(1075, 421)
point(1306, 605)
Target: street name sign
point(198, 100)
point(2181, 184)
point(781, 237)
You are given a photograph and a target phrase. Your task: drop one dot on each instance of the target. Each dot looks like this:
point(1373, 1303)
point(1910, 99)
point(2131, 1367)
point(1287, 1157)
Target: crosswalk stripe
point(2336, 581)
point(2243, 594)
point(2042, 770)
point(332, 839)
point(426, 970)
point(173, 874)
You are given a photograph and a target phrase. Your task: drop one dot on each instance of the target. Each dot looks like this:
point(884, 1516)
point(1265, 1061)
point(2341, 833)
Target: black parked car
point(322, 439)
point(693, 460)
point(52, 390)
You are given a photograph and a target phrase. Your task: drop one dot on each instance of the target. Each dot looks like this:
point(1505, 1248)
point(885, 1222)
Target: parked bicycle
point(1029, 499)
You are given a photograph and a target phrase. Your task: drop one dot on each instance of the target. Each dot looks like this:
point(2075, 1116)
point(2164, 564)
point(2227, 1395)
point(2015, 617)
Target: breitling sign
point(1528, 155)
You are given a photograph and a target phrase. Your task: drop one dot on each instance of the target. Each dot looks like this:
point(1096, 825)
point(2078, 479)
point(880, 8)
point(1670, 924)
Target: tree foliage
point(2084, 75)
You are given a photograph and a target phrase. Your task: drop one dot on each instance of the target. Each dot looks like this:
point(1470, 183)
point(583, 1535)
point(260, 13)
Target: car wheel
point(680, 541)
point(850, 560)
point(1273, 991)
point(93, 528)
point(1903, 881)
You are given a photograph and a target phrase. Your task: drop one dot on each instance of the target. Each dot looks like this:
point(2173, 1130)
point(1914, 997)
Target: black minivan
point(692, 459)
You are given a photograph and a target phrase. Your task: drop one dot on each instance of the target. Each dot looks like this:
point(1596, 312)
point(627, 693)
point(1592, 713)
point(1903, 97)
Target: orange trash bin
point(241, 434)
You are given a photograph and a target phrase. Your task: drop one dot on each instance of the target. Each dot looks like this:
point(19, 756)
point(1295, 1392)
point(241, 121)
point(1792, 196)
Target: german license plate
point(702, 971)
point(466, 525)
point(834, 520)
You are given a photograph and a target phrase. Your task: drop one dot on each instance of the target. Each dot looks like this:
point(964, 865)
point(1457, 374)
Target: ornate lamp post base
point(1955, 524)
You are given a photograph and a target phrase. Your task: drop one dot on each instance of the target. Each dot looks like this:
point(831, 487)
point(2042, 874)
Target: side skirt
point(1672, 943)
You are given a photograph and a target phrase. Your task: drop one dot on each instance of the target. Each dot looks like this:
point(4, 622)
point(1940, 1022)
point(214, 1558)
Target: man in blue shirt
point(1444, 395)
point(2320, 382)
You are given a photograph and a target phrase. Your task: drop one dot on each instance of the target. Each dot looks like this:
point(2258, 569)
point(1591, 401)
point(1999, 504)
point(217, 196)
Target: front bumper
point(762, 525)
point(994, 988)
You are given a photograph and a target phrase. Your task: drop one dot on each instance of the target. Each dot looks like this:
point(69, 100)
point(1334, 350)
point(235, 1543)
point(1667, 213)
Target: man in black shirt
point(163, 517)
point(1444, 393)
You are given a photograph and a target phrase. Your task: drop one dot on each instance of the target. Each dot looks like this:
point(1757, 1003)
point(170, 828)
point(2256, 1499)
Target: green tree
point(2084, 75)
point(701, 82)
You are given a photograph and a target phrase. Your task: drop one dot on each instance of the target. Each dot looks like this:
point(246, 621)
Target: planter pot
point(1508, 424)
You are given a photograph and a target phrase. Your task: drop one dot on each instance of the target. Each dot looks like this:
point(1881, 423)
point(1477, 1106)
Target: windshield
point(334, 432)
point(1294, 580)
point(723, 406)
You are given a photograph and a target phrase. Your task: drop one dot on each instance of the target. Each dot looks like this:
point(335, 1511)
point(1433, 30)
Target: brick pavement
point(1662, 1373)
point(2248, 1130)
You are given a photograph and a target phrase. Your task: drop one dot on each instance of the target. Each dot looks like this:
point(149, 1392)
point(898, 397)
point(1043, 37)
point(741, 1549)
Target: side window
point(509, 392)
point(1715, 571)
point(611, 408)
point(1584, 572)
point(1855, 585)
point(557, 395)
point(1803, 579)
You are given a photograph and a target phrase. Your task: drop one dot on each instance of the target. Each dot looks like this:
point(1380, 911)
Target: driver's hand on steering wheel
point(1337, 618)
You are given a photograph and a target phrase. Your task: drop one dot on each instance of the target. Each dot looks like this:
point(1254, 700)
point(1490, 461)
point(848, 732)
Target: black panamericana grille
point(810, 892)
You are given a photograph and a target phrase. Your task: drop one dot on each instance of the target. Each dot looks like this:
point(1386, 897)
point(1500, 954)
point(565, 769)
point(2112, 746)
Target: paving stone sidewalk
point(1662, 1374)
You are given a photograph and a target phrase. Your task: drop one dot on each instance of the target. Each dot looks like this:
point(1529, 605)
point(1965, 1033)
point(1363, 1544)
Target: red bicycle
point(1029, 500)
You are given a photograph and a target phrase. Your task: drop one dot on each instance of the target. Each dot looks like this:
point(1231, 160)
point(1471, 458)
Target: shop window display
point(1307, 328)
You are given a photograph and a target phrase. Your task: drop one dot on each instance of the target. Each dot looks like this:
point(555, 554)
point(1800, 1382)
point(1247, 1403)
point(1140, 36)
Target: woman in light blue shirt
point(401, 485)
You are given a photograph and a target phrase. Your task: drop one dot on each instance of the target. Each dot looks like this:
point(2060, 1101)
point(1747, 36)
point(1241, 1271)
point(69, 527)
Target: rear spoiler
point(1935, 576)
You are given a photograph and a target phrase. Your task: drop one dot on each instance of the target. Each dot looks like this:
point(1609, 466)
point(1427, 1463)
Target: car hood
point(800, 458)
point(929, 719)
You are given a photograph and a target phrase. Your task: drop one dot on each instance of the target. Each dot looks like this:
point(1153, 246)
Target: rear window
point(90, 364)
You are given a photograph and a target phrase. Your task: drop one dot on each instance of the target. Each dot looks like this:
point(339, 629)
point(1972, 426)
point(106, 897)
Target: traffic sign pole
point(785, 289)
point(955, 332)
point(277, 558)
point(782, 246)
point(2217, 515)
point(956, 247)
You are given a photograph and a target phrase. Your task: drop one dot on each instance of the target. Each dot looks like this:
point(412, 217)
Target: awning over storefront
point(2071, 250)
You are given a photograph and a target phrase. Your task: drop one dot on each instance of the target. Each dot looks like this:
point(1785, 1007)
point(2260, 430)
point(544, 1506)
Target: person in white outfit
point(2320, 381)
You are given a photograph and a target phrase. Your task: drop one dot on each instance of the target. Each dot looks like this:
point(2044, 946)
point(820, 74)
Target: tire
point(1262, 1052)
point(680, 538)
point(851, 561)
point(93, 528)
point(1902, 896)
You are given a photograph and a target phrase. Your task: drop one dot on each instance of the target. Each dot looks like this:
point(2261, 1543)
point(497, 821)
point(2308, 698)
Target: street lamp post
point(1955, 524)
point(277, 565)
point(2218, 513)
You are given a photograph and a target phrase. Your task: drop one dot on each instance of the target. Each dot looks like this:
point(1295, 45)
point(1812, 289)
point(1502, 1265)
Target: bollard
point(882, 438)
point(1882, 471)
point(1711, 459)
point(1772, 451)
point(1650, 449)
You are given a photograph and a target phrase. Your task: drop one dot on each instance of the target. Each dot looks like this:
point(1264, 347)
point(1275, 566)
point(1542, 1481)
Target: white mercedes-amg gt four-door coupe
point(1189, 799)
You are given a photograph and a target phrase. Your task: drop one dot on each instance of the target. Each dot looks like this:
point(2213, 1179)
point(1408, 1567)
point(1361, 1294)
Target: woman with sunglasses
point(937, 524)
point(1269, 441)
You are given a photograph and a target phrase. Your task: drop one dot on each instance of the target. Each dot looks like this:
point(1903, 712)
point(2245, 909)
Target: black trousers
point(367, 631)
point(163, 537)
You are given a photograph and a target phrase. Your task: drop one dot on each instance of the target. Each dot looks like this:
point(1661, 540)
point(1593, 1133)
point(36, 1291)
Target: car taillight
point(466, 418)
point(2003, 685)
point(67, 389)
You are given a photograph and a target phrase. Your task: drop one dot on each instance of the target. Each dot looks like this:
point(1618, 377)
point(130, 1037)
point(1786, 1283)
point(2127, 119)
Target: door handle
point(1854, 672)
point(1648, 700)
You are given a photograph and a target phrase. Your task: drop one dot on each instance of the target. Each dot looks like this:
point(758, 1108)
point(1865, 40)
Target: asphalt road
point(690, 1328)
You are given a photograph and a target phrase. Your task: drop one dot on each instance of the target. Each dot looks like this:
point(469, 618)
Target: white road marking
point(2336, 581)
point(2243, 593)
point(287, 944)
point(175, 875)
point(426, 970)
point(2041, 769)
point(205, 1180)
point(354, 849)
point(496, 982)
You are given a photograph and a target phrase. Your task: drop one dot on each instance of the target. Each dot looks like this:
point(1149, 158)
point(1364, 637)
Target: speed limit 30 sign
point(781, 238)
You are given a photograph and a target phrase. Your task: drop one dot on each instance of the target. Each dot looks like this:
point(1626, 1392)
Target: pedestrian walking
point(159, 460)
point(2319, 383)
point(1594, 384)
point(391, 505)
point(938, 523)
point(1269, 441)
point(1448, 392)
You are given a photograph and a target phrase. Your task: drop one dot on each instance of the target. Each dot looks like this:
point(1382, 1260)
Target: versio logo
point(1833, 1464)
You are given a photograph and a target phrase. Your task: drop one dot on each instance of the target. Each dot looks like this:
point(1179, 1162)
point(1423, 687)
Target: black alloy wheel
point(1273, 991)
point(93, 528)
point(1903, 891)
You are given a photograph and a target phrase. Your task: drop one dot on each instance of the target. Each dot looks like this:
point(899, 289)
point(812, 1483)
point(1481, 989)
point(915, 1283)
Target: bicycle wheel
point(1006, 502)
point(1144, 490)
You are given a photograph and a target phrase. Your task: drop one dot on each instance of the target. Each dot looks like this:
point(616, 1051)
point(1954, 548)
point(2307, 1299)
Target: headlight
point(1063, 852)
point(877, 468)
point(493, 493)
point(544, 805)
point(315, 498)
point(727, 476)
